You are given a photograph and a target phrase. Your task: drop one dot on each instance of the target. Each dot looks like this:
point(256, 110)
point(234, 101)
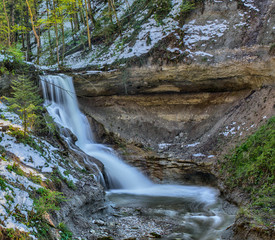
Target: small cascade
point(62, 105)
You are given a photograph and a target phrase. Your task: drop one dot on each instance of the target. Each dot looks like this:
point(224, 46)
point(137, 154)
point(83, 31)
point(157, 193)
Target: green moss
point(251, 167)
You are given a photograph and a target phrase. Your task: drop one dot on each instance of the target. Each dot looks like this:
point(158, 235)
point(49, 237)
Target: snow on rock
point(14, 178)
point(12, 117)
point(192, 144)
point(14, 199)
point(195, 33)
point(198, 155)
point(68, 176)
point(151, 32)
point(164, 146)
point(31, 157)
point(250, 5)
point(204, 54)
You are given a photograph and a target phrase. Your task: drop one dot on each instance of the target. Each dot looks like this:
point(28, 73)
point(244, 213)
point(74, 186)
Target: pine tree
point(26, 102)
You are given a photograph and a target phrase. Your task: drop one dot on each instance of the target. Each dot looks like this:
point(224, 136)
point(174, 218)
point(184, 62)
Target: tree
point(26, 102)
point(34, 30)
point(8, 23)
point(87, 24)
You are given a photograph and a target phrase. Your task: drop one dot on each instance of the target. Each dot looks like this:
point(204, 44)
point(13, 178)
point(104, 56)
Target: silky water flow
point(198, 205)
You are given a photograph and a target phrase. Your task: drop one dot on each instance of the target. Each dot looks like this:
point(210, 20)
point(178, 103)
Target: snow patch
point(198, 155)
point(249, 4)
point(192, 144)
point(210, 31)
point(163, 146)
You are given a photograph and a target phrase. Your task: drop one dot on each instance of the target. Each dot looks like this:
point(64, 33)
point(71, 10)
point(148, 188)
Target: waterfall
point(205, 218)
point(62, 105)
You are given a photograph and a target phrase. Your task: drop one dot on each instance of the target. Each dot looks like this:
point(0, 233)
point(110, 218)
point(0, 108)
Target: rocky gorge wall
point(175, 120)
point(184, 104)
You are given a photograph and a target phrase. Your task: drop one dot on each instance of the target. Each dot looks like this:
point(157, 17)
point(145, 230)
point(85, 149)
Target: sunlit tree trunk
point(87, 23)
point(34, 31)
point(13, 34)
point(112, 6)
point(63, 41)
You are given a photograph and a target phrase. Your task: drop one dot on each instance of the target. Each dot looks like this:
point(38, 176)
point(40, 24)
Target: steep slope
point(173, 31)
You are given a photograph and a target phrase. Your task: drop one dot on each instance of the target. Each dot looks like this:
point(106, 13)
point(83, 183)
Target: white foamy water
point(62, 105)
point(61, 102)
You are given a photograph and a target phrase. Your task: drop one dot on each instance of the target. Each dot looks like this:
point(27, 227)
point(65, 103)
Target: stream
point(140, 209)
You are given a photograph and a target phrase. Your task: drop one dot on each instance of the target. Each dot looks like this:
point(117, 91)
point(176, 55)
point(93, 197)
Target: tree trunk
point(114, 9)
point(90, 12)
point(34, 31)
point(63, 41)
point(80, 9)
point(87, 23)
point(8, 24)
point(56, 33)
point(12, 22)
point(28, 37)
point(49, 31)
point(76, 21)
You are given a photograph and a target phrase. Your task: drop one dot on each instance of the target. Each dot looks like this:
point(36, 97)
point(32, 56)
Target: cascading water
point(125, 181)
point(62, 105)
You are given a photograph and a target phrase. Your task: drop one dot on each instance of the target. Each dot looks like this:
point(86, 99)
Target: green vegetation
point(13, 59)
point(65, 234)
point(3, 184)
point(49, 201)
point(13, 234)
point(23, 25)
point(15, 168)
point(35, 178)
point(272, 49)
point(26, 102)
point(24, 138)
point(251, 167)
point(162, 8)
point(57, 177)
point(46, 202)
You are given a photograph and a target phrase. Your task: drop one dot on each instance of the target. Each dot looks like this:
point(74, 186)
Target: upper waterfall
point(62, 105)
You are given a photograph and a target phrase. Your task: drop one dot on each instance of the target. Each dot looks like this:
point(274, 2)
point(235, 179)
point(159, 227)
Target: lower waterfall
point(198, 208)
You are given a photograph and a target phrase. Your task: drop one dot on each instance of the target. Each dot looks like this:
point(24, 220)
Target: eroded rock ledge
point(182, 78)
